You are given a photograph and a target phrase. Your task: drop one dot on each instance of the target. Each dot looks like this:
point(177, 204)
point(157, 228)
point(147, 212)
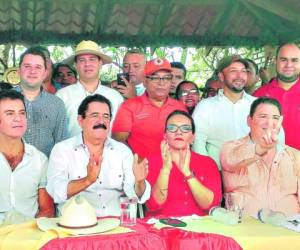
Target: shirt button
point(185, 203)
point(103, 207)
point(99, 195)
point(100, 182)
point(185, 192)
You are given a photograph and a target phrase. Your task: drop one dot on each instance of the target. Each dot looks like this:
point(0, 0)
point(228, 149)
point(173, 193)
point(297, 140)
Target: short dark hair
point(178, 88)
point(10, 94)
point(5, 86)
point(58, 65)
point(254, 64)
point(266, 100)
point(83, 107)
point(34, 50)
point(184, 113)
point(179, 65)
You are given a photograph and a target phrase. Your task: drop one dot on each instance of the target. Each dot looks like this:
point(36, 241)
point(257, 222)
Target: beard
point(287, 79)
point(233, 88)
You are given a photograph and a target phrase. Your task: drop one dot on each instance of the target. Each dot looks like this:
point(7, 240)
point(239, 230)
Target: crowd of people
point(150, 135)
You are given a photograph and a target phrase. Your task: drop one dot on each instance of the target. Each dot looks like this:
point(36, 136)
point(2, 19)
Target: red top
point(290, 103)
point(145, 122)
point(180, 201)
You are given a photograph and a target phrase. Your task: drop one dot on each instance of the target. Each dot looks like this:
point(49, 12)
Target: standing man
point(95, 166)
point(178, 75)
point(88, 61)
point(133, 63)
point(253, 76)
point(286, 89)
point(140, 121)
point(223, 117)
point(22, 166)
point(46, 114)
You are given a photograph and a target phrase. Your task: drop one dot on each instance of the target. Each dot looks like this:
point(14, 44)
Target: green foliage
point(200, 62)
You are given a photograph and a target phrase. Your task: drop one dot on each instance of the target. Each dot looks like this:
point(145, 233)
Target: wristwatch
point(190, 176)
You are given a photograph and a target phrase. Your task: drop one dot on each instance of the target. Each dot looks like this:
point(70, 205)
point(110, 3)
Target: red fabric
point(146, 237)
point(177, 239)
point(180, 200)
point(145, 122)
point(290, 103)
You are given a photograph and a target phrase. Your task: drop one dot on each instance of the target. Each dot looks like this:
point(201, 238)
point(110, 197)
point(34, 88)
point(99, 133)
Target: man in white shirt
point(223, 117)
point(134, 63)
point(88, 61)
point(94, 165)
point(22, 166)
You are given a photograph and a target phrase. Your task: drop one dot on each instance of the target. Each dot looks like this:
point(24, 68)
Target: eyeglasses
point(183, 128)
point(187, 92)
point(157, 79)
point(94, 116)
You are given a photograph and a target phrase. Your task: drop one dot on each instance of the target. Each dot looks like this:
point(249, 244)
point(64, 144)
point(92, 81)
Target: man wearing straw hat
point(88, 61)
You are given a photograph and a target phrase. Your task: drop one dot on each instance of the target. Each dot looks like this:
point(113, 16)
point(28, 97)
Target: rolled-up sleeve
point(43, 180)
point(57, 174)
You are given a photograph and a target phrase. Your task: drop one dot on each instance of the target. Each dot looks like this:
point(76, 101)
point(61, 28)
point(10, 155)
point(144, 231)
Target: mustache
point(100, 125)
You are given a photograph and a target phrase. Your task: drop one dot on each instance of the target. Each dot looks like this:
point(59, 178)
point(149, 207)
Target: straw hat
point(78, 218)
point(88, 47)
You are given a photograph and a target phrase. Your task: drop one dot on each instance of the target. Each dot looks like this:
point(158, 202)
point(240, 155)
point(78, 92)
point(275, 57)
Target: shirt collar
point(145, 99)
point(80, 144)
point(244, 96)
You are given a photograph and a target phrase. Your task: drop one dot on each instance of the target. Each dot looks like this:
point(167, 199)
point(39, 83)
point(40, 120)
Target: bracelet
point(190, 176)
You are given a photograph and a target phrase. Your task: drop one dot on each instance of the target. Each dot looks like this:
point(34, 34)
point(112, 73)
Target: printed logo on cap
point(158, 61)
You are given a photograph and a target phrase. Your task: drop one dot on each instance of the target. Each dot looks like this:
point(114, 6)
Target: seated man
point(94, 165)
point(22, 166)
point(263, 171)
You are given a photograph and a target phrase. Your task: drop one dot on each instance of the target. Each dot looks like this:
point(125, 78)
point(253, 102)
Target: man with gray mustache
point(94, 165)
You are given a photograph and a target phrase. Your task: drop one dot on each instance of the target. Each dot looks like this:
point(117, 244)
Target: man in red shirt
point(286, 89)
point(140, 121)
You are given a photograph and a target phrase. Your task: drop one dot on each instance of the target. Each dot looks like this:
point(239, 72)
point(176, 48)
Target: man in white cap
point(88, 61)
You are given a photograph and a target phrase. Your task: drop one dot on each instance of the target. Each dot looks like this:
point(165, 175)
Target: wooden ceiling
point(150, 23)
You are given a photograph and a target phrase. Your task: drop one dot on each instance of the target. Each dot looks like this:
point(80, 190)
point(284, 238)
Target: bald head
point(288, 63)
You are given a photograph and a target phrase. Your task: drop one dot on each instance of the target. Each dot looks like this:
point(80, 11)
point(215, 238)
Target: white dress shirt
point(218, 120)
point(74, 94)
point(19, 188)
point(68, 161)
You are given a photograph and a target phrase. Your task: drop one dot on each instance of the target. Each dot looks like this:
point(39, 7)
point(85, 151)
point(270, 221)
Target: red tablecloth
point(146, 237)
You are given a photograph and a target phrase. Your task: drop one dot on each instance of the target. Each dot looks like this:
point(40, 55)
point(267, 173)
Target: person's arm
point(202, 195)
point(201, 118)
point(121, 136)
point(46, 205)
point(140, 171)
point(93, 171)
point(60, 131)
point(161, 186)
